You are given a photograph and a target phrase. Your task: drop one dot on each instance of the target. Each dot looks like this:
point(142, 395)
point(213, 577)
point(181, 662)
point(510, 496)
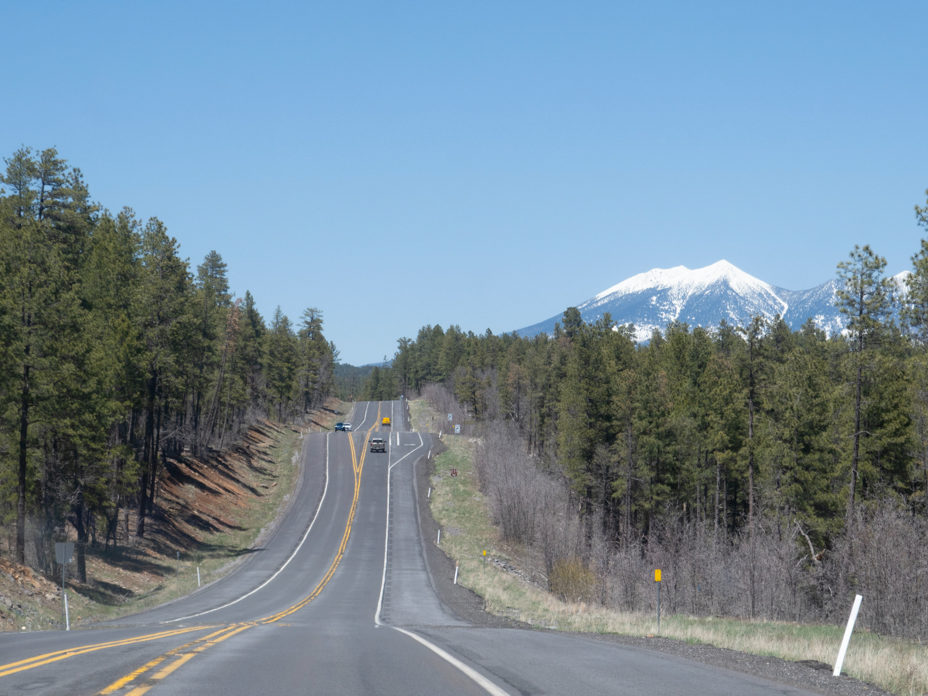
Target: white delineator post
point(847, 635)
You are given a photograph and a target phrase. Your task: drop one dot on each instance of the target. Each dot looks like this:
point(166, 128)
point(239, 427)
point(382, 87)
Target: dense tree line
point(115, 355)
point(352, 382)
point(728, 424)
point(752, 439)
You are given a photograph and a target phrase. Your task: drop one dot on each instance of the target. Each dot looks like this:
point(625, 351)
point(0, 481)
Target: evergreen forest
point(116, 355)
point(772, 473)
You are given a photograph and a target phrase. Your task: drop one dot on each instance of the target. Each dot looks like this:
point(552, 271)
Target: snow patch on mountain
point(670, 290)
point(705, 297)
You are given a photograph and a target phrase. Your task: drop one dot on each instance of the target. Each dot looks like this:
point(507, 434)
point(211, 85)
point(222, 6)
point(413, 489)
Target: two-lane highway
point(340, 601)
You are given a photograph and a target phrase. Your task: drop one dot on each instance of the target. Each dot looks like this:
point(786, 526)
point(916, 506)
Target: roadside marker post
point(852, 619)
point(64, 550)
point(657, 581)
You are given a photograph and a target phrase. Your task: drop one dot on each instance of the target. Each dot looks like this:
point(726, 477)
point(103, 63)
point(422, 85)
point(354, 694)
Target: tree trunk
point(718, 487)
point(25, 397)
point(856, 456)
point(753, 549)
point(80, 515)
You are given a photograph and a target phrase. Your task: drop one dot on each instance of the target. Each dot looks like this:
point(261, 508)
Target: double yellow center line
point(176, 657)
point(358, 467)
point(48, 658)
point(181, 654)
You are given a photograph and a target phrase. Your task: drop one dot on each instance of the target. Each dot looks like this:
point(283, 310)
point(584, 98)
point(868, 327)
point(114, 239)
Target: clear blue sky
point(485, 164)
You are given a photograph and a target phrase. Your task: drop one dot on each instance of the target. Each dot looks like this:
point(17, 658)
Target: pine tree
point(110, 274)
point(316, 360)
point(281, 364)
point(864, 297)
point(42, 315)
point(165, 300)
point(211, 337)
point(250, 353)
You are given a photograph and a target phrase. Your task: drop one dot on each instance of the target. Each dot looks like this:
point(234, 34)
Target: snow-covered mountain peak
point(706, 297)
point(682, 281)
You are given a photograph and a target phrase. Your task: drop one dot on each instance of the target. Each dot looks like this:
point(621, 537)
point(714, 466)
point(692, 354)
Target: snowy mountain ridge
point(682, 278)
point(705, 297)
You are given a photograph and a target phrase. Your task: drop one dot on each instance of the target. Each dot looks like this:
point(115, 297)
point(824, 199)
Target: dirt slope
point(209, 512)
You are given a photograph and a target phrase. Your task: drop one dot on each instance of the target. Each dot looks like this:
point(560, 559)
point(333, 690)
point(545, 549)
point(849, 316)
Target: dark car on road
point(343, 426)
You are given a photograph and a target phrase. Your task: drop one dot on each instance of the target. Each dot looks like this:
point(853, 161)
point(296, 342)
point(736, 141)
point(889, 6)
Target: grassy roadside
point(461, 511)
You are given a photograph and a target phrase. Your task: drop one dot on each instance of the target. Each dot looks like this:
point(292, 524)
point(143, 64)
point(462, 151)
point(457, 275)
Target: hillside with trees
point(771, 473)
point(116, 355)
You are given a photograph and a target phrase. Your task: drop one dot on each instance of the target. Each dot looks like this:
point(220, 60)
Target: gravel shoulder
point(470, 607)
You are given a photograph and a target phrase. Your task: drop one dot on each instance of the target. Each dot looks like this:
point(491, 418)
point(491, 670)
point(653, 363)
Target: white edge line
point(481, 680)
point(286, 563)
point(468, 671)
point(386, 543)
point(358, 427)
point(386, 534)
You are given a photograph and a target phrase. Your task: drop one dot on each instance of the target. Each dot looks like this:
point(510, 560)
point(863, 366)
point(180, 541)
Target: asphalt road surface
point(340, 601)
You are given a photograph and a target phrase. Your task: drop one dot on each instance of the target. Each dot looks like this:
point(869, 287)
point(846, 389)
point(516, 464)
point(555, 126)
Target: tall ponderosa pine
point(864, 297)
point(165, 294)
point(210, 343)
point(281, 364)
point(915, 315)
point(45, 222)
point(111, 273)
point(316, 360)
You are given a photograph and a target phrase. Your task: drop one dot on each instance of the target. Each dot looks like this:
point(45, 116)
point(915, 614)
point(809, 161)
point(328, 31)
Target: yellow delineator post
point(657, 581)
